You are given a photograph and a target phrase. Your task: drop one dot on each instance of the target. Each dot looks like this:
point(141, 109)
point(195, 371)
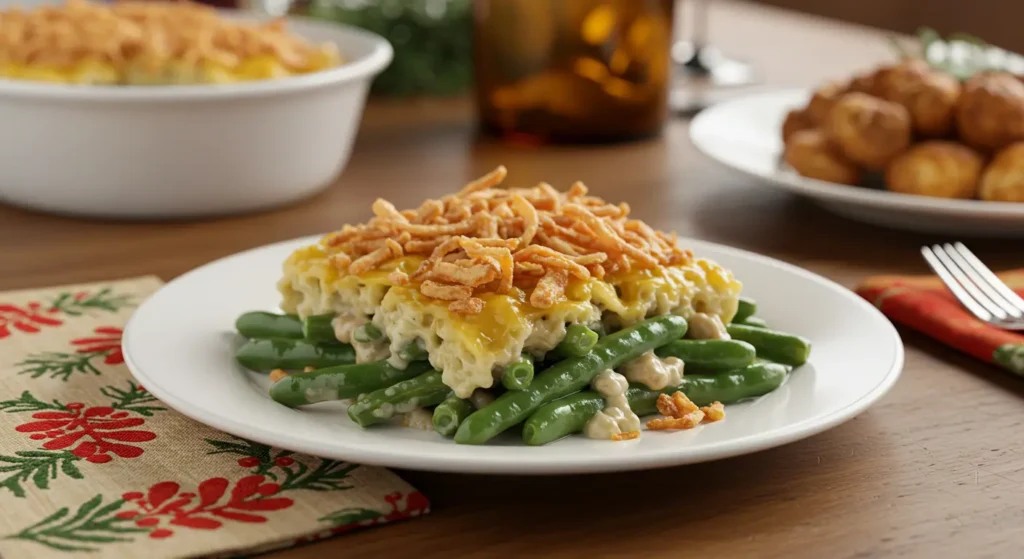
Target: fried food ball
point(796, 120)
point(890, 80)
point(930, 97)
point(936, 168)
point(863, 83)
point(824, 97)
point(812, 155)
point(1003, 180)
point(990, 113)
point(869, 131)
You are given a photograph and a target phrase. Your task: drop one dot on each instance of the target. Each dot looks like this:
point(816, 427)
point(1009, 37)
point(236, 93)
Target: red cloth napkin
point(925, 304)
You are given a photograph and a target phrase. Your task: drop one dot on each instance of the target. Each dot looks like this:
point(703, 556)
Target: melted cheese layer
point(470, 350)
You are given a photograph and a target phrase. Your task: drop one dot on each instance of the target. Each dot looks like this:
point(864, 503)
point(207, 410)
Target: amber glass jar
point(572, 70)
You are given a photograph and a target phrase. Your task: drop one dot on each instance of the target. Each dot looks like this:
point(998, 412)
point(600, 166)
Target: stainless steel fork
point(975, 286)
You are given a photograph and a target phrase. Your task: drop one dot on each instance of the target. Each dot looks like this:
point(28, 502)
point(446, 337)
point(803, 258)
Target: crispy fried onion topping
point(681, 413)
point(487, 239)
point(133, 33)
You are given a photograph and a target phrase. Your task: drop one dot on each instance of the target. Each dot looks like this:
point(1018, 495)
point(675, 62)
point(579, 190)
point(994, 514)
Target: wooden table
point(935, 469)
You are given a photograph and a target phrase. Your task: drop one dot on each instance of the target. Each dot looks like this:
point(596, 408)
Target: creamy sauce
point(654, 373)
point(316, 394)
point(419, 418)
point(706, 327)
point(394, 356)
point(346, 323)
point(397, 362)
point(616, 417)
point(368, 352)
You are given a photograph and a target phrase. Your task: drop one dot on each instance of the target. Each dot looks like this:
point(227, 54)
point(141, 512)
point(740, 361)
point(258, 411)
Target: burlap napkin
point(925, 304)
point(92, 464)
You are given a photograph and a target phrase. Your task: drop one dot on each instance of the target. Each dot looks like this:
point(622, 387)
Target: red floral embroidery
point(94, 429)
point(107, 340)
point(415, 504)
point(201, 510)
point(28, 319)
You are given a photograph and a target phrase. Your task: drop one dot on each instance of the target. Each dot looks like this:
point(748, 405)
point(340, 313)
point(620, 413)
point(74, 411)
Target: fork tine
point(982, 283)
point(968, 285)
point(1012, 299)
point(958, 292)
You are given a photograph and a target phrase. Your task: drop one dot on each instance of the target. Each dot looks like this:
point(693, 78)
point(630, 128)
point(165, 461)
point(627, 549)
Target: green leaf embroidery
point(351, 515)
point(28, 402)
point(329, 475)
point(91, 524)
point(246, 448)
point(38, 465)
point(81, 303)
point(58, 365)
point(134, 399)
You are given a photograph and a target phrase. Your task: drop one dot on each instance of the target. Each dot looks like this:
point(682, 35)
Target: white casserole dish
point(189, 150)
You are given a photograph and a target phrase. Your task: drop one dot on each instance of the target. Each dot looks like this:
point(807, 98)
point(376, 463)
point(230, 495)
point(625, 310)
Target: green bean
point(367, 333)
point(746, 308)
point(413, 351)
point(518, 374)
point(772, 345)
point(266, 355)
point(343, 381)
point(569, 415)
point(403, 397)
point(754, 321)
point(578, 341)
point(710, 355)
point(318, 329)
point(259, 324)
point(735, 386)
point(568, 376)
point(449, 414)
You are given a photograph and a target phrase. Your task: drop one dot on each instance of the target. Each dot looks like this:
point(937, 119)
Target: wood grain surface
point(936, 469)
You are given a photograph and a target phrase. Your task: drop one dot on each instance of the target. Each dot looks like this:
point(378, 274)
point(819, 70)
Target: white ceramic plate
point(180, 344)
point(745, 134)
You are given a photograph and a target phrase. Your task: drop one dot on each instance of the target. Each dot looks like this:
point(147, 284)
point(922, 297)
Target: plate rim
point(835, 192)
point(495, 465)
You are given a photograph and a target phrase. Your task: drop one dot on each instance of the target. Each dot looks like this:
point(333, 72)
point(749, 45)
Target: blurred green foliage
point(432, 40)
point(960, 54)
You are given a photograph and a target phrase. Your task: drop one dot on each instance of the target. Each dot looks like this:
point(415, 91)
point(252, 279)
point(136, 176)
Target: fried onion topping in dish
point(487, 239)
point(149, 43)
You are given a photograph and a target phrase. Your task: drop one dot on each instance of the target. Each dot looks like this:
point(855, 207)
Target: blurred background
point(991, 19)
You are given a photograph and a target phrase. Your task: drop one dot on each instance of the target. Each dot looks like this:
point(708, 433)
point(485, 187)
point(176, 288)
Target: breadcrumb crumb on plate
point(714, 412)
point(627, 436)
point(687, 421)
point(681, 413)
